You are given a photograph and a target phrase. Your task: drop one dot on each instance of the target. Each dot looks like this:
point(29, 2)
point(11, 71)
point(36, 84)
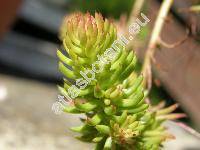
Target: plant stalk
point(154, 40)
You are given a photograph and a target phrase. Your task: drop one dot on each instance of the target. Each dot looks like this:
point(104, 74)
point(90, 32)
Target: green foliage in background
point(112, 8)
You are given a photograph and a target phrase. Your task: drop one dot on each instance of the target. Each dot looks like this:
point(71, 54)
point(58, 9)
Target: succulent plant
point(101, 83)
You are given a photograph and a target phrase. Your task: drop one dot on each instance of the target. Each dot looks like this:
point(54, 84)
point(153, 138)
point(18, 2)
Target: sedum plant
point(106, 89)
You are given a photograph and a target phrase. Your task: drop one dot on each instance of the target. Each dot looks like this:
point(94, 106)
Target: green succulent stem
point(101, 83)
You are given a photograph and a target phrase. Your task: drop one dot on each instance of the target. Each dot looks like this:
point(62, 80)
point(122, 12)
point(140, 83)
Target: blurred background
point(28, 69)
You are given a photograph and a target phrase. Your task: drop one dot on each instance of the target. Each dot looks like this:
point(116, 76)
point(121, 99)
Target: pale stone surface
point(28, 123)
point(183, 141)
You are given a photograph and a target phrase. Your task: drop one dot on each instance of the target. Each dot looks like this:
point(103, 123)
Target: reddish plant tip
point(86, 21)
